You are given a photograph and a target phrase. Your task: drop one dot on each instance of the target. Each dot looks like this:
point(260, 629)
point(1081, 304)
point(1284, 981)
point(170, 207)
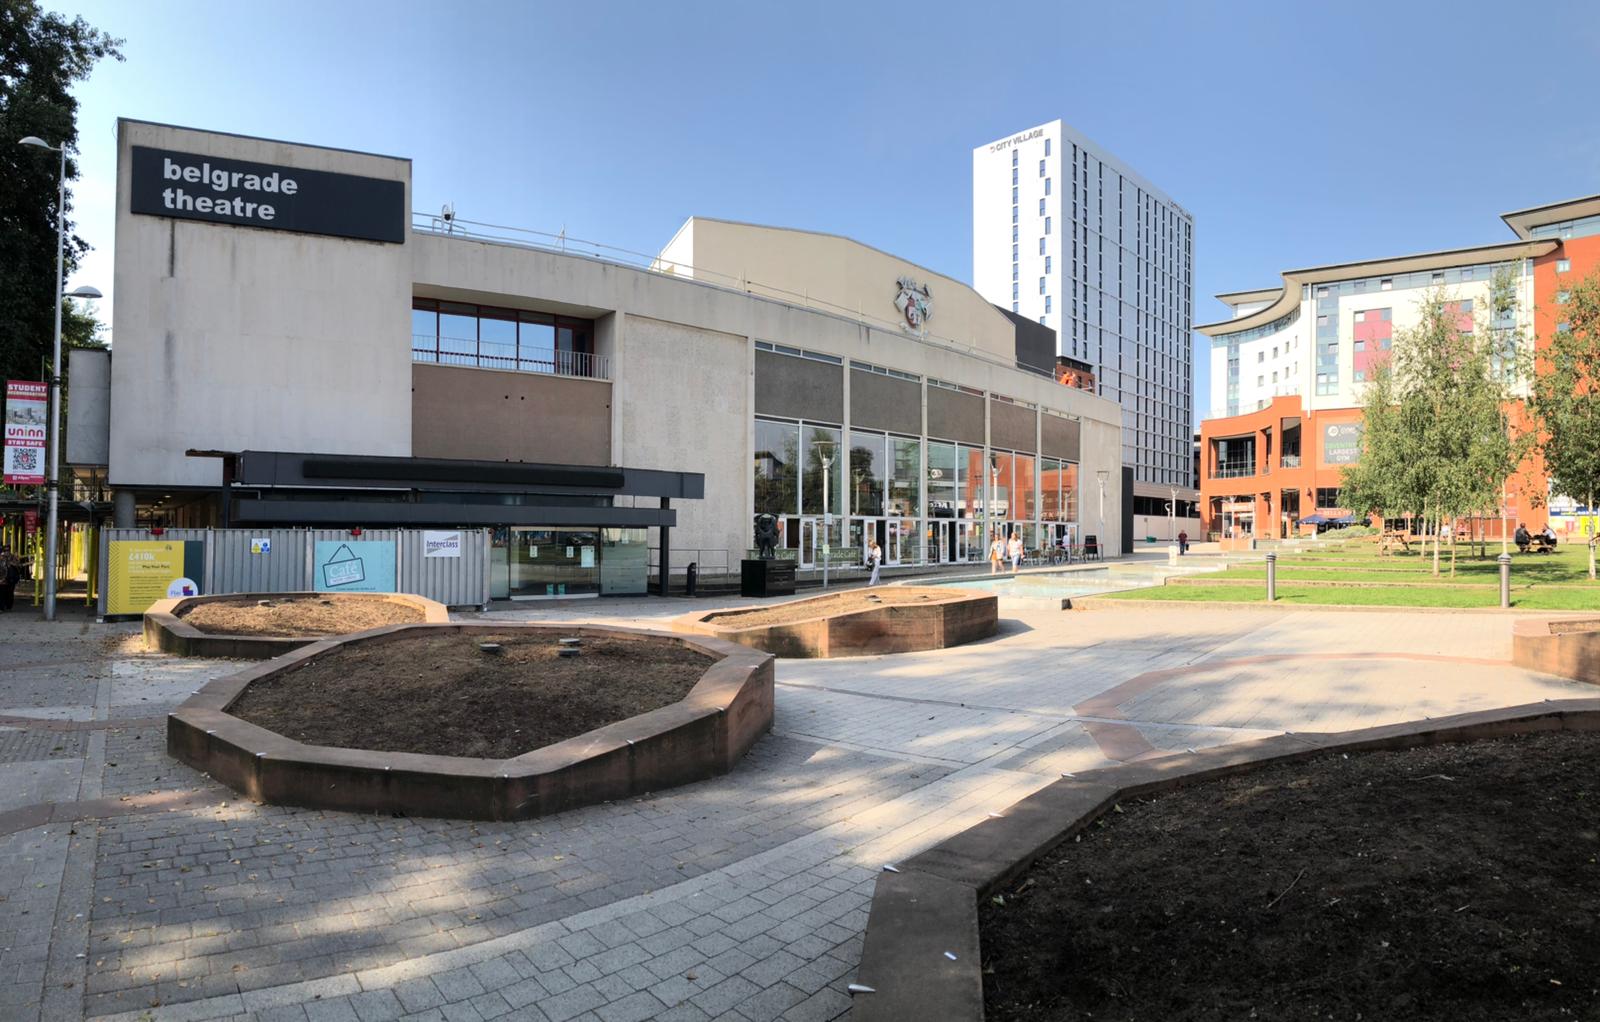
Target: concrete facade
point(230, 337)
point(270, 340)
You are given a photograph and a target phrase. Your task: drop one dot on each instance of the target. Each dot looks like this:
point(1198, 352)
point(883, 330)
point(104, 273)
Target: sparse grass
point(1527, 597)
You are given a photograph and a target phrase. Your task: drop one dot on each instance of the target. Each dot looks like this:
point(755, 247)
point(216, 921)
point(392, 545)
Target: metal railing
point(1289, 461)
point(475, 230)
point(548, 361)
point(1233, 471)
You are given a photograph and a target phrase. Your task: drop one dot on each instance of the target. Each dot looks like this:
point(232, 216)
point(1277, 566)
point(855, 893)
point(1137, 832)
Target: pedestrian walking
point(10, 574)
point(874, 558)
point(1183, 542)
point(997, 553)
point(1014, 551)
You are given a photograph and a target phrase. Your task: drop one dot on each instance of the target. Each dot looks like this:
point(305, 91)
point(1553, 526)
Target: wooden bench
point(1390, 540)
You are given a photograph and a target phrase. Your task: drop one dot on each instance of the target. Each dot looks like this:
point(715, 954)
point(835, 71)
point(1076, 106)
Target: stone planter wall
point(701, 736)
point(903, 628)
point(166, 631)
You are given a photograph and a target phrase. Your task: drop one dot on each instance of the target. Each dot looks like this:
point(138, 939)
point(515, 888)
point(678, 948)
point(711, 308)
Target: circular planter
point(965, 616)
point(700, 736)
point(166, 630)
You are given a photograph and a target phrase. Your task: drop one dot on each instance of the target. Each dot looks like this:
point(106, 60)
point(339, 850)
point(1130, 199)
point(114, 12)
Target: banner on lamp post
point(27, 431)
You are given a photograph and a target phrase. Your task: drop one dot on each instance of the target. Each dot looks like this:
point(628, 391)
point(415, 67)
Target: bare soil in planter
point(443, 695)
point(297, 615)
point(1457, 882)
point(830, 606)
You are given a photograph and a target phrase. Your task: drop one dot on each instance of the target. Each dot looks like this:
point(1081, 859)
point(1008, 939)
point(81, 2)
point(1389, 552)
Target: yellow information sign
point(140, 572)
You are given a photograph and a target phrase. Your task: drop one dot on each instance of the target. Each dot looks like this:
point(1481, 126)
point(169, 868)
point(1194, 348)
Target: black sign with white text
point(224, 191)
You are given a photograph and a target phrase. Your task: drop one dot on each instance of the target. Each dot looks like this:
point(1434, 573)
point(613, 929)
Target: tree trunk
point(1436, 540)
point(1594, 537)
point(1452, 552)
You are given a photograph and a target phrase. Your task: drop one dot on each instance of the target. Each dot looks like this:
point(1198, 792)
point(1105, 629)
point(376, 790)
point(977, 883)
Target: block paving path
point(134, 888)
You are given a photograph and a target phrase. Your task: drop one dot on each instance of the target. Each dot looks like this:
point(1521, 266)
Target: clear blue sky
point(1295, 137)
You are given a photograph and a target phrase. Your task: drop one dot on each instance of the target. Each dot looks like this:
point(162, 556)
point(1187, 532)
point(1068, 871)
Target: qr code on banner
point(26, 460)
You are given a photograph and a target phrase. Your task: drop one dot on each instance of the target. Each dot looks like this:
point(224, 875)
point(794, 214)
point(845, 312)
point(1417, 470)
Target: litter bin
point(688, 586)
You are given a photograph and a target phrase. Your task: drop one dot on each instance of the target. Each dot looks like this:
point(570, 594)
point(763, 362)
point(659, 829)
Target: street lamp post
point(1172, 515)
point(825, 452)
point(54, 483)
point(1101, 476)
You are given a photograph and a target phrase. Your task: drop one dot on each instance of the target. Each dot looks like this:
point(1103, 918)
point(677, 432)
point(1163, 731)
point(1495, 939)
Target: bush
point(1350, 532)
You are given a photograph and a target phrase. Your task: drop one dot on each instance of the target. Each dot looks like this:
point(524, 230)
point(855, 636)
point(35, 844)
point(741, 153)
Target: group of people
point(1525, 539)
point(1005, 549)
point(10, 575)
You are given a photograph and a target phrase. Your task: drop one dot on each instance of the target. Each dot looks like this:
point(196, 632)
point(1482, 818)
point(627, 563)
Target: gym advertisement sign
point(224, 191)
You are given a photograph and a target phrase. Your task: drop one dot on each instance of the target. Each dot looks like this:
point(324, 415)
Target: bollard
point(694, 574)
point(1272, 577)
point(1505, 581)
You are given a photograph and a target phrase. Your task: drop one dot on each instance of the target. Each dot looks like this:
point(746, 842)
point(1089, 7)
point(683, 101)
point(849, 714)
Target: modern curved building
point(1289, 365)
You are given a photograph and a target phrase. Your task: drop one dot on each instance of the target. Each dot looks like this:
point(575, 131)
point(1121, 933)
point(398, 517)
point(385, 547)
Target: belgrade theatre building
point(294, 347)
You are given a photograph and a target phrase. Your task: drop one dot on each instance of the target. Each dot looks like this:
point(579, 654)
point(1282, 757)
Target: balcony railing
point(550, 362)
point(1233, 471)
point(1290, 461)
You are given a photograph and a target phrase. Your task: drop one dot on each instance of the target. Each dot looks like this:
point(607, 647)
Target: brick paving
point(134, 888)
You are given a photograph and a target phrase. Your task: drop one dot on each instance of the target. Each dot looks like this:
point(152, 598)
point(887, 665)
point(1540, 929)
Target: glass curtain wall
point(879, 489)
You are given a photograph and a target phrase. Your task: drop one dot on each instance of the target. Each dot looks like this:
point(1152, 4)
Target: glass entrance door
point(554, 563)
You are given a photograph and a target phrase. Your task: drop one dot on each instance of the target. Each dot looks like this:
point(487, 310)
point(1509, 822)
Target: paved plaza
point(132, 887)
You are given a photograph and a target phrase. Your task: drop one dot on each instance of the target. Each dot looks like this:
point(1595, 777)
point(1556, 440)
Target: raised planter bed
point(242, 628)
point(922, 956)
point(1566, 647)
point(857, 622)
point(699, 736)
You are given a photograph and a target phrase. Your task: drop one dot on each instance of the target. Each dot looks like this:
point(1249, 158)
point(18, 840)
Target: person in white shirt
point(1014, 551)
point(874, 558)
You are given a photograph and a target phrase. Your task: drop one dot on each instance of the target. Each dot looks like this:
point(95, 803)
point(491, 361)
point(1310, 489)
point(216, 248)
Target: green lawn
point(1524, 598)
point(1556, 581)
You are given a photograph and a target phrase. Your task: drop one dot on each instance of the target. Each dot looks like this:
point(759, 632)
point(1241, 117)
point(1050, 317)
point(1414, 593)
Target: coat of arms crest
point(915, 302)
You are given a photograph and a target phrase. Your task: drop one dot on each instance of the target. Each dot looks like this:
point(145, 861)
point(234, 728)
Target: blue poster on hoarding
point(344, 566)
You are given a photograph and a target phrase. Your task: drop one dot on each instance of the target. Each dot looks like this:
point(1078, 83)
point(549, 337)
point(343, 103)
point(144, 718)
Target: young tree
point(1566, 402)
point(1438, 440)
point(41, 56)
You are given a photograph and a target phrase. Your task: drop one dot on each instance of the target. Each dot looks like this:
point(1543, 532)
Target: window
point(1013, 193)
point(1041, 168)
point(1013, 231)
point(1041, 246)
point(1047, 147)
point(1327, 497)
point(1013, 252)
point(1015, 275)
point(1261, 356)
point(1015, 306)
point(1438, 278)
point(1013, 157)
point(1563, 265)
point(1013, 214)
point(518, 340)
point(1562, 297)
point(1041, 285)
point(1261, 381)
point(1274, 376)
point(1013, 176)
point(1047, 264)
point(1386, 284)
point(1016, 291)
point(1046, 304)
point(1047, 225)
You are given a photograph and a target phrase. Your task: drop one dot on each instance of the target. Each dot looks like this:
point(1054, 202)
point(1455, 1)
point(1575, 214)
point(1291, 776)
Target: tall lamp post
point(994, 493)
point(54, 483)
point(1101, 476)
point(825, 452)
point(1172, 514)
